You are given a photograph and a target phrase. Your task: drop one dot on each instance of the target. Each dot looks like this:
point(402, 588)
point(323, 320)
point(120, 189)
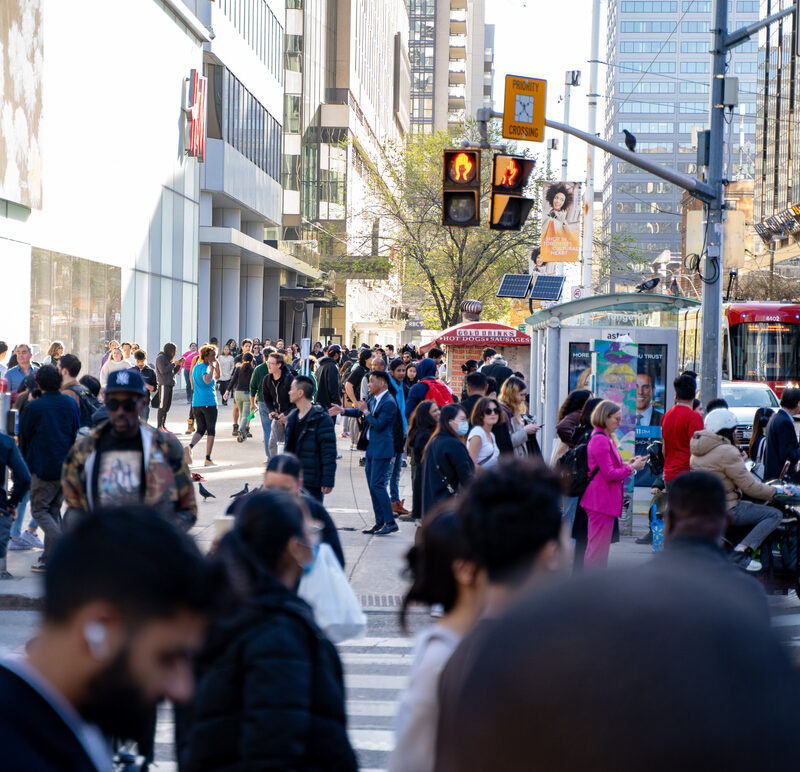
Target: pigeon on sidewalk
point(206, 494)
point(242, 492)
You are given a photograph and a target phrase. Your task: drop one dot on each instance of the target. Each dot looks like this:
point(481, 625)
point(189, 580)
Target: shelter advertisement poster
point(650, 402)
point(615, 364)
point(562, 203)
point(580, 366)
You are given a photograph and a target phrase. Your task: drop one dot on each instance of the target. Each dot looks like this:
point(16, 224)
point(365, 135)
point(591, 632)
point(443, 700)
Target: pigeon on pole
point(630, 141)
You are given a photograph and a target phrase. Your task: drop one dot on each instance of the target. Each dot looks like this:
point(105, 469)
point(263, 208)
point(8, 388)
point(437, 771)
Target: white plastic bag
point(336, 609)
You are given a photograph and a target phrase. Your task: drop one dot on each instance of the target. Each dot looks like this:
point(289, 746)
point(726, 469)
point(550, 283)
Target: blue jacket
point(782, 445)
point(48, 430)
point(426, 368)
point(11, 458)
point(381, 426)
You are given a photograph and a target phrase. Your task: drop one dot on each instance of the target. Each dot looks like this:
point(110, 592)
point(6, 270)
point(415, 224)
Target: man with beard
point(126, 596)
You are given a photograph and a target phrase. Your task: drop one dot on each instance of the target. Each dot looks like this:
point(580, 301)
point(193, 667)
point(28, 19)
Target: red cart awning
point(479, 334)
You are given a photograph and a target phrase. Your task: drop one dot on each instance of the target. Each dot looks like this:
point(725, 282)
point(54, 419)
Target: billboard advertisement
point(562, 203)
point(651, 399)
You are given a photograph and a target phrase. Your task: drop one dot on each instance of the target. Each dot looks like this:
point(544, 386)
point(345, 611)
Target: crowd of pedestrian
point(133, 614)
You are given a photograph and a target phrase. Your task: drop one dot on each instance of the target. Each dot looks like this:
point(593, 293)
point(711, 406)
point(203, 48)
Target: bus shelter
point(467, 340)
point(561, 353)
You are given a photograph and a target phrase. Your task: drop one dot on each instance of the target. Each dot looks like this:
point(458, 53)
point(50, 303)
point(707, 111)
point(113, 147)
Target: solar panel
point(514, 285)
point(547, 287)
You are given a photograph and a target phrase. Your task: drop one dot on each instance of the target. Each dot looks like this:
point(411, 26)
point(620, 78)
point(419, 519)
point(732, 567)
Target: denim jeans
point(568, 516)
point(395, 469)
point(16, 528)
point(765, 520)
point(188, 384)
point(266, 425)
point(377, 470)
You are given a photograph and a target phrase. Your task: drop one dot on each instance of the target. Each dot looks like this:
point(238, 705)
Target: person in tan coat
point(714, 450)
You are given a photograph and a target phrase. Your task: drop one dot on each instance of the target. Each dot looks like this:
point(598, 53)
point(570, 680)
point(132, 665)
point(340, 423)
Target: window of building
point(747, 6)
point(686, 147)
point(654, 147)
point(293, 53)
point(646, 127)
point(643, 188)
point(260, 28)
point(694, 67)
point(693, 88)
point(690, 128)
point(632, 106)
point(647, 26)
point(649, 6)
point(695, 26)
point(651, 66)
point(696, 6)
point(645, 227)
point(687, 167)
point(749, 67)
point(647, 47)
point(695, 47)
point(642, 207)
point(647, 87)
point(693, 107)
point(251, 129)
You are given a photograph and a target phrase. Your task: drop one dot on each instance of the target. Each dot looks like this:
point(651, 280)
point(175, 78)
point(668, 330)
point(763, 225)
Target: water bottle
point(657, 525)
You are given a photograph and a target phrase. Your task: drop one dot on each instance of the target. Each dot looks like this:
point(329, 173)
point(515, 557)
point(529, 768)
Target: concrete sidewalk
point(374, 563)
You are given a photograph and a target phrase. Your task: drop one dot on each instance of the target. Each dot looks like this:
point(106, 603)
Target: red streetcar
point(760, 342)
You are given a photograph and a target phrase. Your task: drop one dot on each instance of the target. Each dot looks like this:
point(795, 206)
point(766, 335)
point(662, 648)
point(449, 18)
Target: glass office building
point(657, 87)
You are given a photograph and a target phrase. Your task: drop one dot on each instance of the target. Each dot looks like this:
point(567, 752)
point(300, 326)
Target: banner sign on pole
point(562, 203)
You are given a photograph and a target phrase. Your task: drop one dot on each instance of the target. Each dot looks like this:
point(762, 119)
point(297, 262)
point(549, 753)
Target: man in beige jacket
point(714, 450)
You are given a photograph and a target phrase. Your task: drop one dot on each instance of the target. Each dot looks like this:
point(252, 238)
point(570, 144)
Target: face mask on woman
point(462, 428)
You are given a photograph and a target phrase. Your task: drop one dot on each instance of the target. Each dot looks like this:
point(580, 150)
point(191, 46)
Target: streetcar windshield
point(765, 351)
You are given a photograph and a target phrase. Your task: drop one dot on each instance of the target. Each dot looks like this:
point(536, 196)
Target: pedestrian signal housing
point(509, 208)
point(461, 188)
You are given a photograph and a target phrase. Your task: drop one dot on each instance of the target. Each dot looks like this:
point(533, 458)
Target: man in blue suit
point(379, 413)
point(782, 444)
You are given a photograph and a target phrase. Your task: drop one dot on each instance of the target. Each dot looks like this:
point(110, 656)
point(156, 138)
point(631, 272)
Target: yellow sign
point(523, 109)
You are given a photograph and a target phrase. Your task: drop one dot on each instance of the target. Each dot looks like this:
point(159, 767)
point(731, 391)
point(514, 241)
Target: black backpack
point(573, 466)
point(89, 404)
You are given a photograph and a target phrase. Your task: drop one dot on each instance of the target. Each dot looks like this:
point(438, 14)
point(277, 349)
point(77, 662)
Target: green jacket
point(168, 483)
point(257, 380)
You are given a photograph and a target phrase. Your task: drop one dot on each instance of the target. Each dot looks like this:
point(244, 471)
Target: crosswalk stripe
point(371, 681)
point(371, 708)
point(372, 739)
point(383, 643)
point(402, 660)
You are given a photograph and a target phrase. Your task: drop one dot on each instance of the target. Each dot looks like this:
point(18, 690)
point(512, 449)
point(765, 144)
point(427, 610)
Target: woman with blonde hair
point(513, 434)
point(54, 353)
point(602, 498)
point(115, 362)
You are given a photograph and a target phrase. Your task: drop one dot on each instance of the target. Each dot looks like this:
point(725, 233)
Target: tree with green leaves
point(443, 266)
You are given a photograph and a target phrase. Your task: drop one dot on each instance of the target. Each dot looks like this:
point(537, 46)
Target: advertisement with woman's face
point(561, 220)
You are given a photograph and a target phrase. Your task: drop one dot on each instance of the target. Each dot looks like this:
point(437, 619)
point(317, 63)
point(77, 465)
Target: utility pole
point(572, 78)
point(588, 188)
point(552, 144)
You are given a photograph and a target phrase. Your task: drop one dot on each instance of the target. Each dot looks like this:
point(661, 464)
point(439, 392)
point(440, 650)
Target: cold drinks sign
point(523, 108)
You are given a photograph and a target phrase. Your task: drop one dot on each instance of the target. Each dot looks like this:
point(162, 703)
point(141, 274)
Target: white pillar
point(229, 327)
point(215, 294)
point(271, 308)
point(204, 293)
point(551, 375)
point(253, 300)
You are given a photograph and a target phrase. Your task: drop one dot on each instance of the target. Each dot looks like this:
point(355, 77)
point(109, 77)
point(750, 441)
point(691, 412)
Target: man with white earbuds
point(126, 599)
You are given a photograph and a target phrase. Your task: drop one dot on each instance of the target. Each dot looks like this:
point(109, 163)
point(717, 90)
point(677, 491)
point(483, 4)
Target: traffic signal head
point(461, 183)
point(509, 208)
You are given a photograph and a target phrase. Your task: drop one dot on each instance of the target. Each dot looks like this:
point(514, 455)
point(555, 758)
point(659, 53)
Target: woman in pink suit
point(602, 499)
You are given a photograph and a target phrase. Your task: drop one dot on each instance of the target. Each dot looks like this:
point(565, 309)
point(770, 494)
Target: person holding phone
point(602, 499)
point(514, 434)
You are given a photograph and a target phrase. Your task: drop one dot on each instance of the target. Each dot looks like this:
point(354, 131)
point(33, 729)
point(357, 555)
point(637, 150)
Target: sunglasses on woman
point(491, 411)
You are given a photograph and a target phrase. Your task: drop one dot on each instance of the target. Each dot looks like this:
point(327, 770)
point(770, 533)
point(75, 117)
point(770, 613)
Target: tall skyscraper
point(451, 50)
point(776, 212)
point(657, 87)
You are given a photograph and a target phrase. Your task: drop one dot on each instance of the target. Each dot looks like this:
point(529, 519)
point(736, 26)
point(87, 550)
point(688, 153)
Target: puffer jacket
point(714, 453)
point(270, 693)
point(315, 445)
